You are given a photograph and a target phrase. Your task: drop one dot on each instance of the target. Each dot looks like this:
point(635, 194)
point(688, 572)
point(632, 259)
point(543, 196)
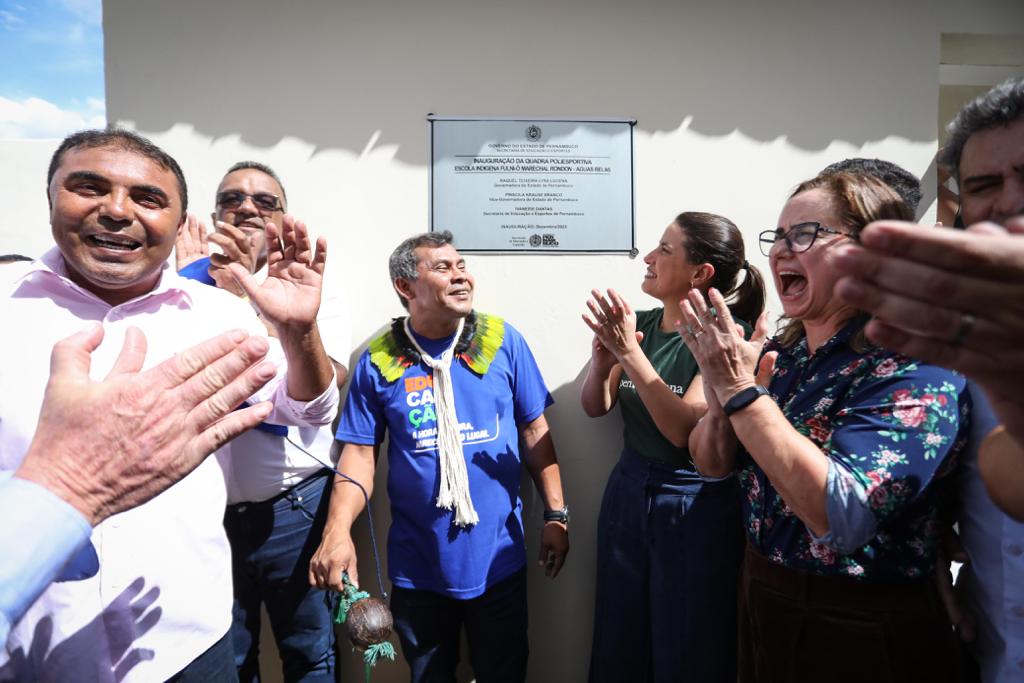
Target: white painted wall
point(737, 101)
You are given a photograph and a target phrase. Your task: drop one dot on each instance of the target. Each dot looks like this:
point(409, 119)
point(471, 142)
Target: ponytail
point(748, 296)
point(716, 240)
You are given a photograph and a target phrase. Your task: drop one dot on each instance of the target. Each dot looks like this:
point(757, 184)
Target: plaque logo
point(533, 133)
point(535, 240)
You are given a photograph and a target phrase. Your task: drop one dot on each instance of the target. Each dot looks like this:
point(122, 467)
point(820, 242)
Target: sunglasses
point(263, 201)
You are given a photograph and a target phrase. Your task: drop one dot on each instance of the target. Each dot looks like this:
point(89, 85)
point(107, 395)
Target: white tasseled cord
point(454, 487)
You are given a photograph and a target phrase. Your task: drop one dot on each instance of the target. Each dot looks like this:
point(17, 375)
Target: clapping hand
point(727, 361)
point(290, 295)
point(613, 324)
point(190, 244)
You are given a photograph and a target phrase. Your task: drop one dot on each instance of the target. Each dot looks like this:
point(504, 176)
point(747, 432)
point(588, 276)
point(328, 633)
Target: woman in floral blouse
point(843, 463)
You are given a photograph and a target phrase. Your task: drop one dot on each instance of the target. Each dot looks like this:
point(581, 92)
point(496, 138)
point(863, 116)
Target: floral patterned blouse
point(896, 425)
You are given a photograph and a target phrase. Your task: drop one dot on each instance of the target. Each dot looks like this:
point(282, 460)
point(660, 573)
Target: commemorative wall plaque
point(533, 185)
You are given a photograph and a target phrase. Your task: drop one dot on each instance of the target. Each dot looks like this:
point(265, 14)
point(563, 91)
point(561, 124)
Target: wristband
point(557, 515)
point(743, 398)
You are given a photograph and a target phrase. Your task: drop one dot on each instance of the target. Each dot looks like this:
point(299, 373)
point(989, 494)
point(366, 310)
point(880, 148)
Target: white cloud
point(37, 118)
point(10, 20)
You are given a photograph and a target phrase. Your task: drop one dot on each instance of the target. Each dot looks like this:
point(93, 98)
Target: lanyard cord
point(369, 513)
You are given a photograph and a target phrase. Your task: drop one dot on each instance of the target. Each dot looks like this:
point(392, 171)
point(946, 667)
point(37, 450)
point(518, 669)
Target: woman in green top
point(669, 541)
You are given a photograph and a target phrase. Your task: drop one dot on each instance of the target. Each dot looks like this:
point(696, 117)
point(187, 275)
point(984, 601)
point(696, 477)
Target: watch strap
point(561, 515)
point(743, 398)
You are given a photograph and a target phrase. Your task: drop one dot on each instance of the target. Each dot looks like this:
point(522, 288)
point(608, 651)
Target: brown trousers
point(797, 627)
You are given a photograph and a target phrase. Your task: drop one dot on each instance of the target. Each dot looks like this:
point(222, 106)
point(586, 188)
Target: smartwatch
point(557, 515)
point(743, 398)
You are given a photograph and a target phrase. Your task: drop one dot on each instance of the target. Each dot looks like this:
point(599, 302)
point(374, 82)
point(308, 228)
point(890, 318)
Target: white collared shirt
point(262, 465)
point(993, 580)
point(162, 595)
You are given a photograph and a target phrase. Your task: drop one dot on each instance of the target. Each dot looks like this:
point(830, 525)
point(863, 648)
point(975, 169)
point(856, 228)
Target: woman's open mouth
point(792, 283)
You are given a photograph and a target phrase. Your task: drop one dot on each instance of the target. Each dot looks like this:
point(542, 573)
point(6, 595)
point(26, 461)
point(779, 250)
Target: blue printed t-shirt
point(897, 425)
point(426, 550)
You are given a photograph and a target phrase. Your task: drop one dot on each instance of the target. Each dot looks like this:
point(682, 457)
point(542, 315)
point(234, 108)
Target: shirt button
point(1014, 550)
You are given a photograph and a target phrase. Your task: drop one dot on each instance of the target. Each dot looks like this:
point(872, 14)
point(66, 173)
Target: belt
point(306, 483)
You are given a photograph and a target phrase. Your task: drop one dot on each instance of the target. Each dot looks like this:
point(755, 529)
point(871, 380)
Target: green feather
point(391, 359)
point(388, 356)
point(483, 347)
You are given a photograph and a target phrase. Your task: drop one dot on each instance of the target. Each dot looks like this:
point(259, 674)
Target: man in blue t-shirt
point(455, 390)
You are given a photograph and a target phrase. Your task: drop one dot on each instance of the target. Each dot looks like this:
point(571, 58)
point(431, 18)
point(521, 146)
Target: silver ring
point(966, 325)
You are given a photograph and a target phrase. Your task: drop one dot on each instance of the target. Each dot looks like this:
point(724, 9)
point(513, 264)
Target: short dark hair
point(14, 258)
point(402, 262)
point(906, 184)
point(262, 168)
point(1000, 106)
point(123, 139)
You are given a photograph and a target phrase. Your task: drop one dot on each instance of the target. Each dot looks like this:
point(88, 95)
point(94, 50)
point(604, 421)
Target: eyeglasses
point(798, 238)
point(264, 201)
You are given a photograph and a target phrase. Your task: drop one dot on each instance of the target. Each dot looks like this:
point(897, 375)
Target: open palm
point(290, 294)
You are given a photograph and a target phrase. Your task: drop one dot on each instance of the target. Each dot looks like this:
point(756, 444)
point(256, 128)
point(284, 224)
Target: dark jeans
point(216, 665)
point(429, 626)
point(669, 547)
point(271, 545)
point(797, 627)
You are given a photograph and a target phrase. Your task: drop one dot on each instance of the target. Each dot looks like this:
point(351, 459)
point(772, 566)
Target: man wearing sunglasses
point(249, 196)
point(277, 494)
point(149, 598)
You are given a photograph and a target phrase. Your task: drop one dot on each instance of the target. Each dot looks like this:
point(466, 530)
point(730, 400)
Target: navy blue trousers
point(271, 545)
point(669, 549)
point(213, 666)
point(429, 626)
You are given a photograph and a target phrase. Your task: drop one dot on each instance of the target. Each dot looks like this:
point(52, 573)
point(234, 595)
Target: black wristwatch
point(743, 398)
point(557, 515)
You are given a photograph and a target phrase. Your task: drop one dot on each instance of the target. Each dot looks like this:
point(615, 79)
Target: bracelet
point(557, 515)
point(743, 398)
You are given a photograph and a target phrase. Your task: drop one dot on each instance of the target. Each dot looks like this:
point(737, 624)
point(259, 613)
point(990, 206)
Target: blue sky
point(51, 78)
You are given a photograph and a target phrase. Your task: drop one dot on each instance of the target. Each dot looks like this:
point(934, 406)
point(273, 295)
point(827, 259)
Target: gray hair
point(402, 262)
point(1000, 106)
point(262, 168)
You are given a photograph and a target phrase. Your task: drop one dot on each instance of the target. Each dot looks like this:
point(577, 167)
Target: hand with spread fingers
point(727, 361)
point(190, 244)
point(948, 297)
point(613, 322)
point(290, 295)
point(154, 427)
